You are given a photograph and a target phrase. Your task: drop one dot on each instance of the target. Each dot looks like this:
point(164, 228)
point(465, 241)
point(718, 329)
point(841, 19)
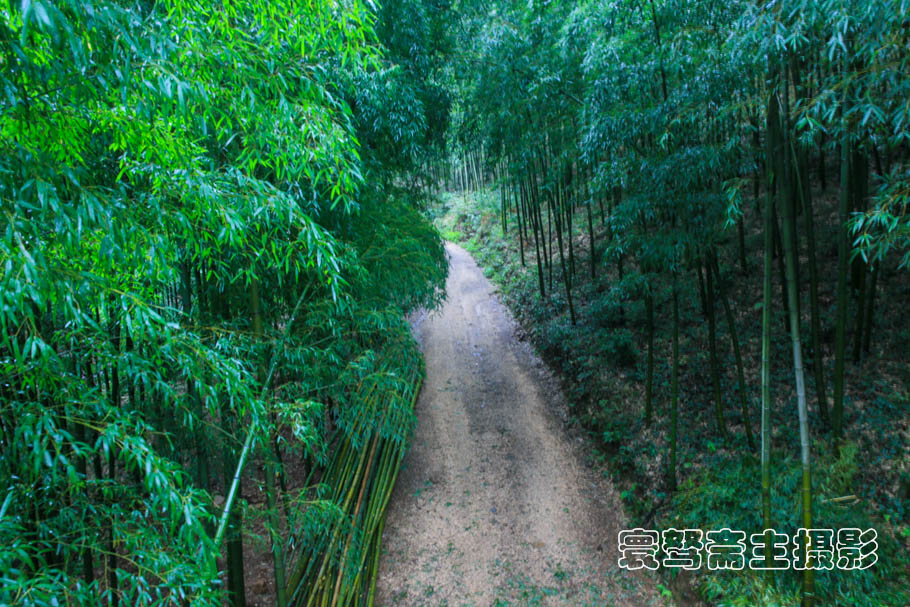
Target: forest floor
point(495, 504)
point(600, 364)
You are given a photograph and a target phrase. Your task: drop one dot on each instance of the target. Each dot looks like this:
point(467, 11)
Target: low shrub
point(618, 347)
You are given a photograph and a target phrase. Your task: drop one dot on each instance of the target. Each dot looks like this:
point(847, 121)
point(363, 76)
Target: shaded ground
point(495, 505)
point(601, 363)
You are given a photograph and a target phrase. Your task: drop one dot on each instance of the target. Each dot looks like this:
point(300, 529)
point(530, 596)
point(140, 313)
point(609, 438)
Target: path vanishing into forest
point(495, 505)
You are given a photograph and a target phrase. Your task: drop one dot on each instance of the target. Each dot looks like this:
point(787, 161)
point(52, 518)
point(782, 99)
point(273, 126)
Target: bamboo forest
point(595, 303)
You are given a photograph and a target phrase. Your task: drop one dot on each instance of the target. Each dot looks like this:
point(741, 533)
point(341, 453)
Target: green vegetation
point(655, 199)
point(860, 483)
point(214, 224)
point(211, 232)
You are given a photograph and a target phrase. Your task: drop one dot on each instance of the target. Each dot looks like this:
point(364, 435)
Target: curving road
point(495, 505)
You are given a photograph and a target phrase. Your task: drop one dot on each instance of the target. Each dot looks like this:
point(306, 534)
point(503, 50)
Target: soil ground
point(495, 504)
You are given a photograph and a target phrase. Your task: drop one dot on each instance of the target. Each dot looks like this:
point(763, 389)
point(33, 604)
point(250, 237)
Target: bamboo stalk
point(369, 473)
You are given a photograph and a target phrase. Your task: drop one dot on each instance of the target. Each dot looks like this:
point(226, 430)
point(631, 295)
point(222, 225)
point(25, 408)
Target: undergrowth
point(862, 483)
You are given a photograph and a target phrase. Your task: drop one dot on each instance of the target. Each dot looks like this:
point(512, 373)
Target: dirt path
point(495, 505)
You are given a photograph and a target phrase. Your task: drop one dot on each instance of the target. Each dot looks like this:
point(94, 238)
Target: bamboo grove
point(641, 135)
point(210, 237)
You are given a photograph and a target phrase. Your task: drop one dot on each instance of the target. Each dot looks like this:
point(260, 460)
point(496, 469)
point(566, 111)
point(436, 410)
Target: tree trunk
point(740, 374)
point(567, 281)
point(570, 240)
point(674, 391)
point(789, 228)
point(236, 589)
point(741, 237)
point(272, 515)
point(114, 396)
point(593, 251)
point(859, 188)
point(767, 287)
point(702, 296)
point(504, 224)
point(818, 365)
point(840, 338)
point(521, 228)
point(649, 383)
point(712, 347)
point(781, 264)
point(870, 302)
point(535, 217)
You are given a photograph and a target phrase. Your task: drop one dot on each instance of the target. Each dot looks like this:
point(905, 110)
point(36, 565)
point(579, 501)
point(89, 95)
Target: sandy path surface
point(495, 505)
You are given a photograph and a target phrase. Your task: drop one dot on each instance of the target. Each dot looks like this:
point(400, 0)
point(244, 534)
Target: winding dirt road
point(495, 505)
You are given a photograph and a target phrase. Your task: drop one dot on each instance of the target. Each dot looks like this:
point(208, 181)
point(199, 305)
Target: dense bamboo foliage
point(206, 257)
point(708, 139)
point(213, 228)
point(338, 566)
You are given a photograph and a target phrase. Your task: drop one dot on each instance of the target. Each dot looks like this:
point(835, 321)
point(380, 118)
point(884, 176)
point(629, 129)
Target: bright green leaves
point(269, 106)
point(158, 163)
point(155, 160)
